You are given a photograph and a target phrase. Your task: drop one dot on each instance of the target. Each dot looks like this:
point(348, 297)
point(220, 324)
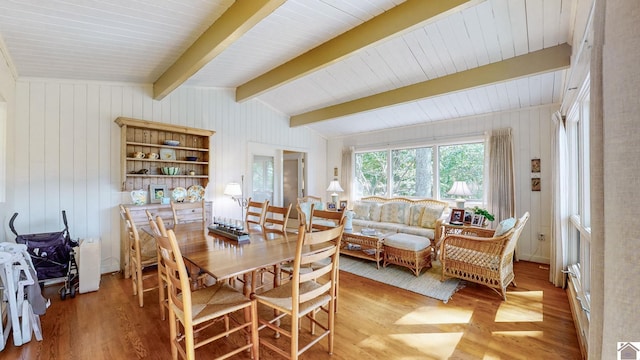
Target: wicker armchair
point(483, 260)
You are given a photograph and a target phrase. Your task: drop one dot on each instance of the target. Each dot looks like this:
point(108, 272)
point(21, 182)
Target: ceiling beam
point(235, 22)
point(395, 21)
point(538, 62)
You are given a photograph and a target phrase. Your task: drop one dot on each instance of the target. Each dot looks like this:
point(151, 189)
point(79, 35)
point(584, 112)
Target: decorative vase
point(348, 222)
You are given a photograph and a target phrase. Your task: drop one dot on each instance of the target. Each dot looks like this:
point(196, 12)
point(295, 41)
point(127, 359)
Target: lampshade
point(233, 189)
point(334, 186)
point(460, 188)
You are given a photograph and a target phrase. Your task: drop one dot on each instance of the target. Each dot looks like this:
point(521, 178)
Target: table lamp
point(460, 189)
point(335, 187)
point(234, 190)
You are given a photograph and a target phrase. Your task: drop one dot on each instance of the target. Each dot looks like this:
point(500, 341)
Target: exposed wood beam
point(541, 61)
point(399, 19)
point(237, 20)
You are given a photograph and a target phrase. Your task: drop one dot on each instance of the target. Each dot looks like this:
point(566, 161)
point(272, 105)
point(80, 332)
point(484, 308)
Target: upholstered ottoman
point(411, 251)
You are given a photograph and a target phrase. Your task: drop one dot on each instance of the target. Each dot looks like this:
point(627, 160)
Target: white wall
point(67, 150)
point(7, 100)
point(531, 132)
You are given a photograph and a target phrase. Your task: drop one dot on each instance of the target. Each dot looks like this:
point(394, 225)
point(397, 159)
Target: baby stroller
point(53, 256)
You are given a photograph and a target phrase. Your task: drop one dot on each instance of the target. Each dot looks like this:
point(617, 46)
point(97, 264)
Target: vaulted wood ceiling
point(339, 67)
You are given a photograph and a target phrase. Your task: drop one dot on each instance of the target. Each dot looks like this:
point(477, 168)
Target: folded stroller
point(53, 256)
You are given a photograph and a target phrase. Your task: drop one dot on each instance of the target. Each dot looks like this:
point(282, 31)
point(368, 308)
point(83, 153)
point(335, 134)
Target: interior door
point(293, 180)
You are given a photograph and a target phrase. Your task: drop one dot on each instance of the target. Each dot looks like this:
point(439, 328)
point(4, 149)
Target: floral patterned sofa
point(402, 215)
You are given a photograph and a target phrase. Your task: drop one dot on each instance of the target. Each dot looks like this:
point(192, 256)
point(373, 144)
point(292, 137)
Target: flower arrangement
point(480, 211)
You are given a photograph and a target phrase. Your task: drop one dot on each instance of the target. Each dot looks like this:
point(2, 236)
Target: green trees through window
point(411, 172)
point(462, 162)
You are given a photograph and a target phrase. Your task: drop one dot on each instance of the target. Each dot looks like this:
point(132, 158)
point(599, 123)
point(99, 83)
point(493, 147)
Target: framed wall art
point(157, 192)
point(535, 165)
point(535, 184)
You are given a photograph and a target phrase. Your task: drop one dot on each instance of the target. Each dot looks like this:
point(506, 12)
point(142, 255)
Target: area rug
point(427, 284)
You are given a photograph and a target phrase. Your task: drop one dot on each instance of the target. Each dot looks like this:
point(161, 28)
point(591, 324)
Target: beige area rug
point(427, 284)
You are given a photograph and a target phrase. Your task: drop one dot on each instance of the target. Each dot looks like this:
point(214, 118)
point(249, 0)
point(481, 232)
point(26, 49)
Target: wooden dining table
point(224, 258)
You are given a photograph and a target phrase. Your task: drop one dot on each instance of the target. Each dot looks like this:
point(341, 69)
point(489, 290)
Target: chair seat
point(280, 297)
point(477, 258)
point(213, 302)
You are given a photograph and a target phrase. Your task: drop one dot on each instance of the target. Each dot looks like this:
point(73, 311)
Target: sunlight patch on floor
point(434, 315)
point(521, 306)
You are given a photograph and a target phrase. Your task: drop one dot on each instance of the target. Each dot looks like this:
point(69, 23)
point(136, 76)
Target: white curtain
point(559, 201)
point(502, 200)
point(347, 171)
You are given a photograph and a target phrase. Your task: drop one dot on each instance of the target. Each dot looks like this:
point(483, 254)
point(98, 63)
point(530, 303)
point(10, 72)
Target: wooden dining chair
point(256, 212)
point(305, 206)
point(275, 221)
point(305, 295)
point(163, 285)
point(190, 312)
point(325, 219)
point(140, 262)
point(188, 212)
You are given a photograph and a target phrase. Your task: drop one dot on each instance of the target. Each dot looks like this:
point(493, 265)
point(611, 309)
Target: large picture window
point(421, 172)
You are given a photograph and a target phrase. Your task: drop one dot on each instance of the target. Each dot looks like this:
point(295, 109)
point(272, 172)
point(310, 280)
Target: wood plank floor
point(374, 321)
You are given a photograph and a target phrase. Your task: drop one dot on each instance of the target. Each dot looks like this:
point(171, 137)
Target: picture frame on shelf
point(457, 217)
point(468, 217)
point(157, 192)
point(477, 220)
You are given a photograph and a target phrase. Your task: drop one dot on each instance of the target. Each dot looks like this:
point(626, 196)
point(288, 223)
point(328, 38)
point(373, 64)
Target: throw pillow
point(396, 212)
point(375, 211)
point(430, 215)
point(504, 226)
point(361, 210)
point(415, 214)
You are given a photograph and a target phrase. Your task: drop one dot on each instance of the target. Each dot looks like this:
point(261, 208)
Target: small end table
point(362, 246)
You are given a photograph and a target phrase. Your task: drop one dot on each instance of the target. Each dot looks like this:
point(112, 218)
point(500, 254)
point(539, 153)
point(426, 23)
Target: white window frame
point(434, 144)
point(579, 241)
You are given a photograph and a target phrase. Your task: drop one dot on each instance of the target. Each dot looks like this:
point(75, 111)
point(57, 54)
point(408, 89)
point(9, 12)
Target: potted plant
point(487, 215)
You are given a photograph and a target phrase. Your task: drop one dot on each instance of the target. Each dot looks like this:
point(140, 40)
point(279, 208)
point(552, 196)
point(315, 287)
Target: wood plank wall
point(64, 150)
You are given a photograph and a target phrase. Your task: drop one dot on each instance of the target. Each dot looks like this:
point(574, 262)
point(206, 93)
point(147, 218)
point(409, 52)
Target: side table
point(367, 247)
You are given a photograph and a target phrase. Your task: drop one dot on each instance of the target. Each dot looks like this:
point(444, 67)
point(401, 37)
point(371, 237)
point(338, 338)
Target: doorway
point(293, 184)
point(276, 175)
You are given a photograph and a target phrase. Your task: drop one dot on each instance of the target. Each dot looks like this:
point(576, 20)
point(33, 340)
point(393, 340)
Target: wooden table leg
point(249, 280)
